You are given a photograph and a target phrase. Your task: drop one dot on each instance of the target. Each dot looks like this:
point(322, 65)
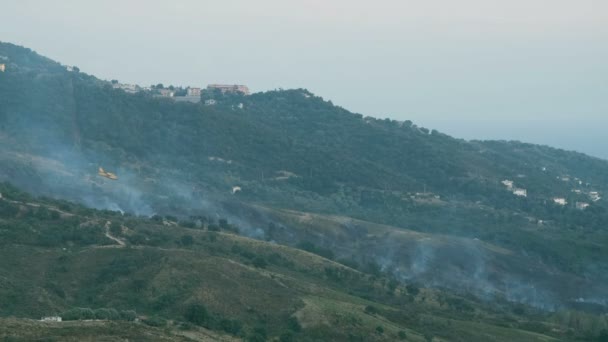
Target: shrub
point(293, 324)
point(187, 240)
point(412, 289)
point(107, 314)
point(128, 315)
point(78, 314)
point(155, 321)
point(231, 326)
point(287, 337)
point(116, 228)
point(371, 310)
point(259, 262)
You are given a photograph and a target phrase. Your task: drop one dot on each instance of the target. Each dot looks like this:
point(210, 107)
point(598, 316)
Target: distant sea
point(586, 136)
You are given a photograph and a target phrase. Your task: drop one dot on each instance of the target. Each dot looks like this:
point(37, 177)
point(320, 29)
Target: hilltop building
point(229, 88)
point(193, 92)
point(2, 67)
point(166, 92)
point(128, 88)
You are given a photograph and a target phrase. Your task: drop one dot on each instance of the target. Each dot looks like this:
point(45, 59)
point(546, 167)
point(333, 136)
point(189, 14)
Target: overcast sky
point(532, 70)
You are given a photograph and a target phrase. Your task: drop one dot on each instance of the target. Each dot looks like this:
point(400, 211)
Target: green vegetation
point(356, 215)
point(217, 286)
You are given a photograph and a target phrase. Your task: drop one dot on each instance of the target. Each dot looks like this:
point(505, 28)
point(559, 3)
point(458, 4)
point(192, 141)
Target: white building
point(129, 88)
point(508, 183)
point(229, 88)
point(166, 92)
point(51, 319)
point(520, 192)
point(581, 205)
point(560, 201)
point(194, 92)
point(210, 102)
point(594, 196)
point(2, 67)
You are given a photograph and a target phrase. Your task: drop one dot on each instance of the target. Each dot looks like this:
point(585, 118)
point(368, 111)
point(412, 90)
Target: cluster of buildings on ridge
point(593, 196)
point(189, 94)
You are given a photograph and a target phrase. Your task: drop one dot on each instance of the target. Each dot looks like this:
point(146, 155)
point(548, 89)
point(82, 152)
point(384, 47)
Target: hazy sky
point(533, 70)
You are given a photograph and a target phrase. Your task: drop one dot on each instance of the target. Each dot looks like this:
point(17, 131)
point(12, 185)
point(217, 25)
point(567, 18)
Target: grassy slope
point(327, 298)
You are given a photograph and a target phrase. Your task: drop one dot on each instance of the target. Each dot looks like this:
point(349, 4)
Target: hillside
point(378, 195)
point(60, 257)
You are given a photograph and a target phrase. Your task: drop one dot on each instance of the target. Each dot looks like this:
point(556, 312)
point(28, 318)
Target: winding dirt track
point(109, 236)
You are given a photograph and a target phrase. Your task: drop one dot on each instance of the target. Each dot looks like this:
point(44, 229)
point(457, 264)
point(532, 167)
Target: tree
point(231, 326)
point(256, 338)
point(371, 310)
point(293, 324)
point(116, 228)
point(413, 289)
point(259, 262)
point(187, 240)
point(197, 313)
point(223, 224)
point(287, 337)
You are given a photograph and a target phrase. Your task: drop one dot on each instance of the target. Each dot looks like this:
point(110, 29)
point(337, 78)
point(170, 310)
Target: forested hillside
point(295, 156)
point(112, 276)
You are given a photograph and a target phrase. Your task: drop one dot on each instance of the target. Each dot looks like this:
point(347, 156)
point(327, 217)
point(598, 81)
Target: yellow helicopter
point(106, 174)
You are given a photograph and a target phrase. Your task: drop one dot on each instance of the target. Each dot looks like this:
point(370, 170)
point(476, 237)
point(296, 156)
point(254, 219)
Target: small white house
point(594, 196)
point(581, 205)
point(520, 192)
point(560, 201)
point(210, 102)
point(51, 319)
point(508, 183)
